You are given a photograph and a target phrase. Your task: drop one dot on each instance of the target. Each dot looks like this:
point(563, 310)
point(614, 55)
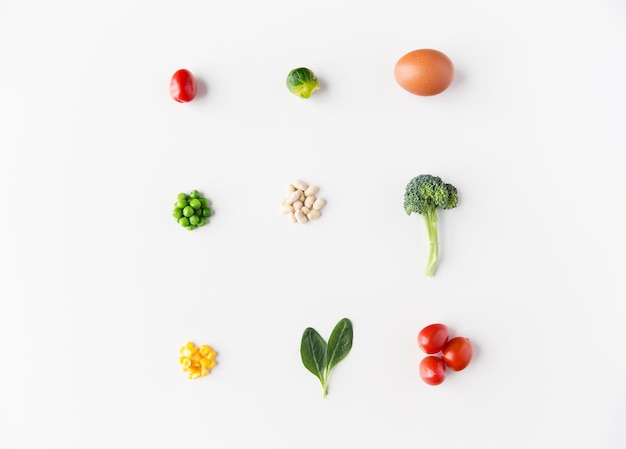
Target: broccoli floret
point(424, 195)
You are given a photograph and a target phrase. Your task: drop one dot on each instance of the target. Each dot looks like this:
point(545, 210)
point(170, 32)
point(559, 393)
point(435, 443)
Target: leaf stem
point(325, 382)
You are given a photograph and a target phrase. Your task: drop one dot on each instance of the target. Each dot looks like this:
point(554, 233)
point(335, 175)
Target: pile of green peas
point(191, 210)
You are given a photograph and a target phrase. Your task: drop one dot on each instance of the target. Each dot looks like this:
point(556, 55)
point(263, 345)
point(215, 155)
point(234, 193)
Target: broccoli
point(425, 194)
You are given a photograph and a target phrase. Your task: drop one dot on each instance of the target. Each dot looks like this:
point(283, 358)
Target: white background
point(99, 286)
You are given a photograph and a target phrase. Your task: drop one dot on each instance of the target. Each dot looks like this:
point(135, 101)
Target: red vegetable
point(433, 338)
point(183, 86)
point(457, 353)
point(432, 370)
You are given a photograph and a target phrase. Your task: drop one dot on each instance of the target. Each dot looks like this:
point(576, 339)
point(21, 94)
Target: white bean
point(319, 203)
point(300, 216)
point(311, 190)
point(301, 203)
point(300, 185)
point(293, 196)
point(312, 215)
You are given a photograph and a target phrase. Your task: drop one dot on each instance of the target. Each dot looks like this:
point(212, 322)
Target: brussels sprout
point(302, 82)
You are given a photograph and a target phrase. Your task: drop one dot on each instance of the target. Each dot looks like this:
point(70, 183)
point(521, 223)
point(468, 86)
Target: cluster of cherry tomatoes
point(456, 353)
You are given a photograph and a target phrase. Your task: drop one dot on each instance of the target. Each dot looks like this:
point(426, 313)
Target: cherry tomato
point(432, 370)
point(433, 338)
point(183, 86)
point(457, 353)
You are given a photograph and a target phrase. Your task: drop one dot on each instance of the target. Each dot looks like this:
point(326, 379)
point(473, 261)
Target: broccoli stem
point(433, 258)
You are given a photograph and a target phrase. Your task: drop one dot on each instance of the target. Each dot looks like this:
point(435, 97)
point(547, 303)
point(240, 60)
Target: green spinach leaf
point(339, 343)
point(319, 357)
point(313, 352)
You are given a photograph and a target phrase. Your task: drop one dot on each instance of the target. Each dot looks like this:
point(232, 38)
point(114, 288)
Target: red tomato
point(183, 86)
point(457, 353)
point(433, 338)
point(432, 370)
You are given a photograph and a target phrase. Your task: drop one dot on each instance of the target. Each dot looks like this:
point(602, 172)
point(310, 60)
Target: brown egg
point(424, 72)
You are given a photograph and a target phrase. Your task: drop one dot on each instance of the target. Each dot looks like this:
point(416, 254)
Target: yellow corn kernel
point(197, 361)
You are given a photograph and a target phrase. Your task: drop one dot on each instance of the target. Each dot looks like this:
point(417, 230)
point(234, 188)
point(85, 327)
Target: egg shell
point(424, 72)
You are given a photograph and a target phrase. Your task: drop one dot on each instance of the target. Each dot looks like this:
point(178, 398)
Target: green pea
point(191, 210)
point(188, 211)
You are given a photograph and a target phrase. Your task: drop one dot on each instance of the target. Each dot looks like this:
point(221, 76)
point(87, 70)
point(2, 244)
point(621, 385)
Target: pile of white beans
point(300, 204)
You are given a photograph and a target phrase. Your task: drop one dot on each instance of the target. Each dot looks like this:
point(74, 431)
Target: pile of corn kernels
point(196, 361)
point(300, 203)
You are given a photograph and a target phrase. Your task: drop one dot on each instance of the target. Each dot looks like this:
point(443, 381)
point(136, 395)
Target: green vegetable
point(424, 195)
point(302, 82)
point(191, 210)
point(320, 357)
point(188, 211)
